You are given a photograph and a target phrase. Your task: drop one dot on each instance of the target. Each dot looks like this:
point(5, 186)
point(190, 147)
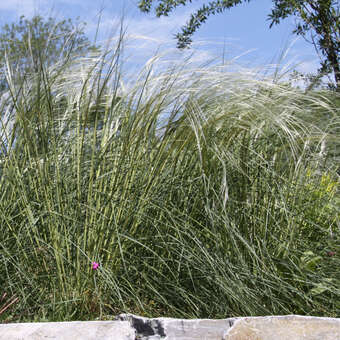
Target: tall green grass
point(200, 192)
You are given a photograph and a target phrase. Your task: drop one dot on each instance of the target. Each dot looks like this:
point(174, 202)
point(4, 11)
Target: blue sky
point(242, 31)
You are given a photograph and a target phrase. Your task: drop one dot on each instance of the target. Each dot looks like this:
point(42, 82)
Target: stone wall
point(132, 327)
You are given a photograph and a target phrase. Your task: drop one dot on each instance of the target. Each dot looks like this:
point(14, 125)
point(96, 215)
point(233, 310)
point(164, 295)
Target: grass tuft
point(199, 192)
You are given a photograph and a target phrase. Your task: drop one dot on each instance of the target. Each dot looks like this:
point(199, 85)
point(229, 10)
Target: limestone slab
point(291, 327)
point(179, 329)
point(133, 327)
point(77, 330)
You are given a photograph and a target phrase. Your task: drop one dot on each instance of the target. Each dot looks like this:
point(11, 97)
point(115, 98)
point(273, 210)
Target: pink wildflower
point(95, 265)
point(331, 253)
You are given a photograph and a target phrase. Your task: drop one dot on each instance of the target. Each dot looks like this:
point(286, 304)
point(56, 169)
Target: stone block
point(77, 330)
point(290, 327)
point(133, 327)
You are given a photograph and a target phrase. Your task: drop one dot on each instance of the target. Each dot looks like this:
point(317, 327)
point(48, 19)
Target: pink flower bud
point(95, 265)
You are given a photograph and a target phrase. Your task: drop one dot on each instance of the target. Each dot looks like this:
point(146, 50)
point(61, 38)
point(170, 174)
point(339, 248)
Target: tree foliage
point(31, 44)
point(318, 21)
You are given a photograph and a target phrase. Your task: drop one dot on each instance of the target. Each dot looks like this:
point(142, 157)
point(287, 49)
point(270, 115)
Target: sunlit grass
point(199, 192)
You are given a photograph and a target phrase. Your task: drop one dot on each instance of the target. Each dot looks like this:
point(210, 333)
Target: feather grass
point(200, 192)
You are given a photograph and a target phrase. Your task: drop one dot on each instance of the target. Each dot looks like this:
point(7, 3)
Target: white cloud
point(147, 35)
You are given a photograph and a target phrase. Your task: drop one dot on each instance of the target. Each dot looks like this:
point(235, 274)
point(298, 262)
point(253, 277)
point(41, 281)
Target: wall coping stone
point(133, 327)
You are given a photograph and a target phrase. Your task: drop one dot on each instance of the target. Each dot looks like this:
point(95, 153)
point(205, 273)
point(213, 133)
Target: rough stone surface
point(291, 327)
point(171, 329)
point(284, 328)
point(132, 327)
point(96, 330)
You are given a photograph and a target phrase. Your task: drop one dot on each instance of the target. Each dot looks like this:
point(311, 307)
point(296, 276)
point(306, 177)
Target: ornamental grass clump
point(201, 192)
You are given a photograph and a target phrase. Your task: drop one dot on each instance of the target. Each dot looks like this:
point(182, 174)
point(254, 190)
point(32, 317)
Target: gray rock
point(132, 327)
point(169, 329)
point(291, 327)
point(78, 330)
